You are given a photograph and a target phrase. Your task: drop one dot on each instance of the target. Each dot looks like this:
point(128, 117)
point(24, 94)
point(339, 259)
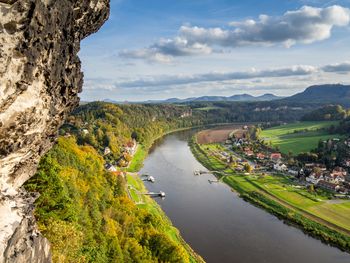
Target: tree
point(248, 168)
point(134, 136)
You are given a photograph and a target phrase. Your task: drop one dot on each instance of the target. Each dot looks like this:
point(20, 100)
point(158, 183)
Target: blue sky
point(158, 49)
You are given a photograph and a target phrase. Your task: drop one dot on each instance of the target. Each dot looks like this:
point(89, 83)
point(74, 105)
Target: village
point(250, 156)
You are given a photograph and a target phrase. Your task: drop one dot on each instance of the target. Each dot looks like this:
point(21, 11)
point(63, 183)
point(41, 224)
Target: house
point(130, 147)
point(260, 156)
point(109, 167)
point(294, 171)
point(281, 167)
point(85, 131)
point(328, 186)
point(310, 167)
point(106, 151)
point(249, 153)
point(337, 175)
point(343, 190)
point(238, 142)
point(276, 157)
point(347, 163)
point(347, 143)
point(315, 178)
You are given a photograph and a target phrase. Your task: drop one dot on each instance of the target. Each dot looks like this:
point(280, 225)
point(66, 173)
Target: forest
point(83, 204)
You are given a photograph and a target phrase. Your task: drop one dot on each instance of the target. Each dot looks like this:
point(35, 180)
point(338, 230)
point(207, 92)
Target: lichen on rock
point(40, 78)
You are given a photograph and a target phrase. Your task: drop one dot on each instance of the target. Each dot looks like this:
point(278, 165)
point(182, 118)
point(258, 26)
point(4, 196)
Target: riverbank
point(318, 228)
point(145, 202)
point(142, 150)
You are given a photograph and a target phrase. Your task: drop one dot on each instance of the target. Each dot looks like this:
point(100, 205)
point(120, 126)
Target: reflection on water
point(219, 225)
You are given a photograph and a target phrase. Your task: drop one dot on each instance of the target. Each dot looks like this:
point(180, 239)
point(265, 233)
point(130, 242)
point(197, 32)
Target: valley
point(123, 138)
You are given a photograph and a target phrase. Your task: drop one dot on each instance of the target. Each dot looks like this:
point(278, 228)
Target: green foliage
point(327, 113)
point(87, 217)
point(296, 206)
point(113, 126)
point(298, 137)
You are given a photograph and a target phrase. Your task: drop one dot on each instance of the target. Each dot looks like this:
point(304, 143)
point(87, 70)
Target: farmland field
point(298, 137)
point(281, 189)
point(219, 134)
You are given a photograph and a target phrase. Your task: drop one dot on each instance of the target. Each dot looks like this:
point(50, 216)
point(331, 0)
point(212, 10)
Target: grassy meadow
point(298, 137)
point(280, 190)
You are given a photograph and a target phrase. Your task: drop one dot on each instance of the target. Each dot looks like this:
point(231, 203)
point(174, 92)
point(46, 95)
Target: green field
point(137, 160)
point(317, 204)
point(298, 137)
point(281, 189)
point(208, 108)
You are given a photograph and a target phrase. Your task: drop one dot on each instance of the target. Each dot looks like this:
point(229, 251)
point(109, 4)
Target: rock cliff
point(40, 78)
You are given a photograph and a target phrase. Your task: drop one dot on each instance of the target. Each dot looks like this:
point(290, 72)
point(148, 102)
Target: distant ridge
point(323, 94)
point(238, 97)
point(317, 94)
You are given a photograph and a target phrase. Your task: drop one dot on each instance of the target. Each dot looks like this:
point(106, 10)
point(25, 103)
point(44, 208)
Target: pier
point(160, 194)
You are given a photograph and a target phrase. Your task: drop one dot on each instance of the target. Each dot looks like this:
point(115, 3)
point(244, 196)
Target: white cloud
point(338, 67)
point(216, 83)
point(303, 26)
point(299, 70)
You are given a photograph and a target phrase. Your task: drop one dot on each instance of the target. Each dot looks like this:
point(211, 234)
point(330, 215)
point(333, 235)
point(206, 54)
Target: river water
point(219, 225)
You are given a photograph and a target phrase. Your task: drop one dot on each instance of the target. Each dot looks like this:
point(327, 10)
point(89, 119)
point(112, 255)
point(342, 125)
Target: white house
point(293, 171)
point(107, 151)
point(109, 167)
point(130, 147)
point(85, 131)
point(281, 167)
point(314, 178)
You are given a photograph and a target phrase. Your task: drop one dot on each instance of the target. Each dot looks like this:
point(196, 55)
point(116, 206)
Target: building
point(294, 171)
point(111, 168)
point(249, 152)
point(130, 147)
point(106, 151)
point(338, 175)
point(281, 167)
point(85, 131)
point(328, 186)
point(347, 163)
point(260, 156)
point(276, 157)
point(315, 178)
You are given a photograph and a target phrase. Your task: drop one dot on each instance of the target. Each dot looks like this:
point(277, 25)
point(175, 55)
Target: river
point(219, 225)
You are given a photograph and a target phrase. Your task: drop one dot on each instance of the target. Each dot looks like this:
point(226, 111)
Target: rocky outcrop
point(40, 78)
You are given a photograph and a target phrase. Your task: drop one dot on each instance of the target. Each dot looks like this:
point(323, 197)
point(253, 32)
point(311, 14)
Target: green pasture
point(298, 137)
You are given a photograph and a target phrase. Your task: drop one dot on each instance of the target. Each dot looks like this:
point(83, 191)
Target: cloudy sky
point(158, 49)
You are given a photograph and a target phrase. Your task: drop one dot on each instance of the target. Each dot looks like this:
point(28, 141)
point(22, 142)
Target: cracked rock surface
point(40, 78)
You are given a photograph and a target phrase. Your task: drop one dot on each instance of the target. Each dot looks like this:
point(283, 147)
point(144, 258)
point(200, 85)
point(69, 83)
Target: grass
point(137, 160)
point(208, 108)
point(285, 190)
point(313, 211)
point(298, 137)
point(145, 202)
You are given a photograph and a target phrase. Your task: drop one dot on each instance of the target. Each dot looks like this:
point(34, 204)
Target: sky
point(159, 49)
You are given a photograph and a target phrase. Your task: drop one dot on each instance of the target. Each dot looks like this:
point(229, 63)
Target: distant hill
point(238, 97)
point(323, 94)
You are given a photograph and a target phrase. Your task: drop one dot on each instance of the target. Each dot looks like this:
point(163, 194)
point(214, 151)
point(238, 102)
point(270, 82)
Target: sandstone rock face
point(40, 78)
